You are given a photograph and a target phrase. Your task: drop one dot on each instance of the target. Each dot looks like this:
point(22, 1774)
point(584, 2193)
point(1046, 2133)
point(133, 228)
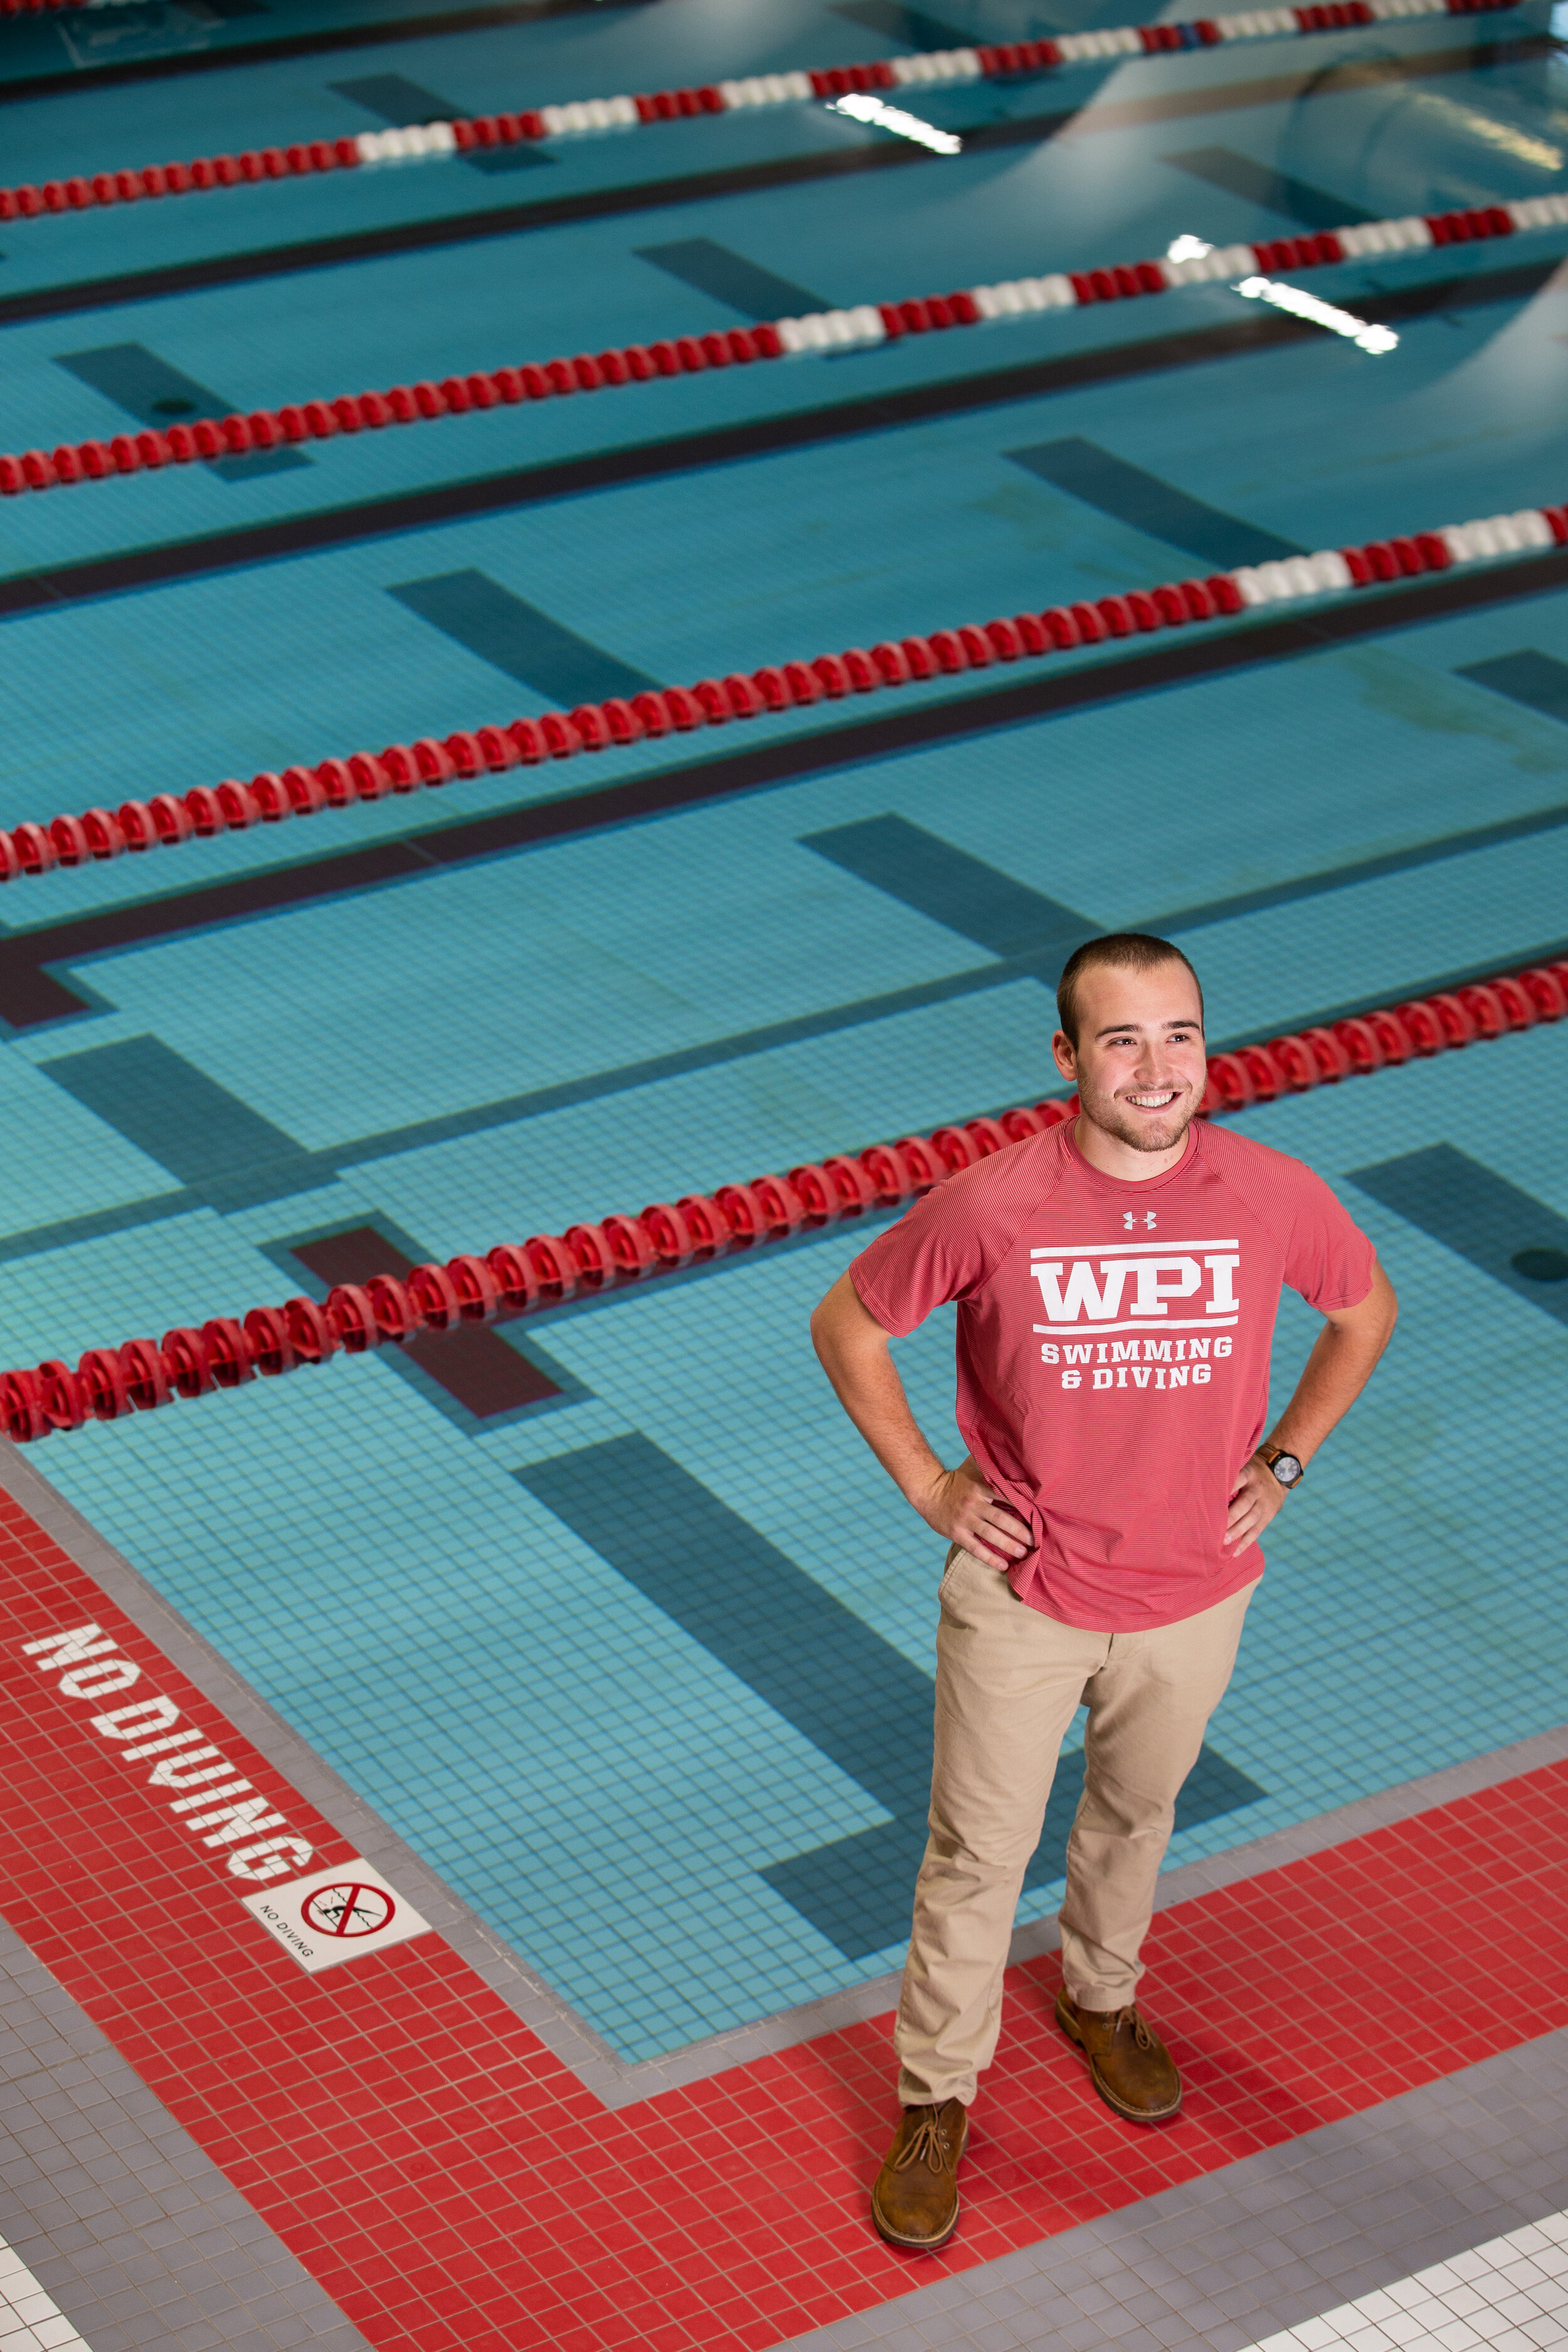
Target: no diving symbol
point(348, 1910)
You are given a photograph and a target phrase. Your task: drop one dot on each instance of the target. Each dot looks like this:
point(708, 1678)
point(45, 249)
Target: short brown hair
point(1123, 950)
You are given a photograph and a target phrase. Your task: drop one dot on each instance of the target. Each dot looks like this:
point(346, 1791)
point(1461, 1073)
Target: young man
point(1117, 1281)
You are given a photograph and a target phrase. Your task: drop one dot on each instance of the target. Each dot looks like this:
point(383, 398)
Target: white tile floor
point(1508, 2297)
point(148, 2243)
point(30, 2320)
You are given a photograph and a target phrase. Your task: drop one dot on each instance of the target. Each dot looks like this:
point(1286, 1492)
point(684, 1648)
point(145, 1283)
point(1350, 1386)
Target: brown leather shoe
point(1128, 2064)
point(915, 2202)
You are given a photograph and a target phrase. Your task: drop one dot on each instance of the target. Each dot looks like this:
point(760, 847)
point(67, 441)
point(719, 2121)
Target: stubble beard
point(1162, 1135)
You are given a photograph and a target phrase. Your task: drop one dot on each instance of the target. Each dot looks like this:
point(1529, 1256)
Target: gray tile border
point(614, 2081)
point(1232, 2257)
point(114, 2209)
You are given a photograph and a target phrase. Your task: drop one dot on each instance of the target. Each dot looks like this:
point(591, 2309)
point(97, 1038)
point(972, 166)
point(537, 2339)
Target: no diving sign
point(335, 1914)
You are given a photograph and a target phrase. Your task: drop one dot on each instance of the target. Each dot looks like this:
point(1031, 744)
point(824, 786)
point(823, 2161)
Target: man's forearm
point(1343, 1358)
point(867, 1386)
point(959, 1503)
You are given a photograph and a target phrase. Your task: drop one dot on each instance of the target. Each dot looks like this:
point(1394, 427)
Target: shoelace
point(927, 2141)
point(1141, 2032)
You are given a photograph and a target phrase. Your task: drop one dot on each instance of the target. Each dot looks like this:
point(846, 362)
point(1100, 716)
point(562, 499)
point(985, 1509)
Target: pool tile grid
point(245, 340)
point(631, 973)
point(1380, 1576)
point(294, 660)
point(249, 346)
point(1454, 753)
point(561, 2027)
point(704, 1391)
point(90, 130)
point(415, 1218)
point(572, 53)
point(405, 2209)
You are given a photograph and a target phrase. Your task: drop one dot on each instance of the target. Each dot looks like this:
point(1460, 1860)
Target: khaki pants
point(1008, 1682)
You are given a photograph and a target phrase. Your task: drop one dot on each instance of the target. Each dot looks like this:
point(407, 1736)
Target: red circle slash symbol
point(348, 1910)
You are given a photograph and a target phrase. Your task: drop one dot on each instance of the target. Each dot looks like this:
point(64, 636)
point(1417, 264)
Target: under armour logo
point(1129, 1218)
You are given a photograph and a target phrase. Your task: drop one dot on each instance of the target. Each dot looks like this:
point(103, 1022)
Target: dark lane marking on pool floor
point(729, 278)
point(1477, 1214)
point(158, 395)
point(893, 22)
point(210, 1141)
point(814, 1662)
point(1152, 505)
point(1258, 183)
point(515, 636)
point(394, 100)
point(483, 1372)
point(1538, 681)
point(32, 992)
point(132, 570)
point(939, 880)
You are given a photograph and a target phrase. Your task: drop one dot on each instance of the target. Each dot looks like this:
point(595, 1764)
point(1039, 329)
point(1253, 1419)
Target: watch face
point(1287, 1469)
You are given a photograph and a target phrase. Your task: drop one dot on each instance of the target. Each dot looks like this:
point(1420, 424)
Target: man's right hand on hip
point(961, 1506)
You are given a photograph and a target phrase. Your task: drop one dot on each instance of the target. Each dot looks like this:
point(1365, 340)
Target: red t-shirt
point(1114, 1345)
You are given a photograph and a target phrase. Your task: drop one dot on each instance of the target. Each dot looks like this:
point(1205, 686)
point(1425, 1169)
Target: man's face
point(1141, 1064)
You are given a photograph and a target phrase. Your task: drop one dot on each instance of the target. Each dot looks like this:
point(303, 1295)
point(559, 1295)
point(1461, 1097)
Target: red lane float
point(530, 1277)
point(402, 403)
point(862, 326)
point(168, 818)
point(1003, 61)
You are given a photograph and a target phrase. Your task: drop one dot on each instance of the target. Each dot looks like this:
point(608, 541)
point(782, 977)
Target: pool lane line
point(599, 204)
point(162, 563)
point(443, 138)
point(817, 334)
point(623, 1250)
point(32, 992)
point(318, 1171)
point(634, 708)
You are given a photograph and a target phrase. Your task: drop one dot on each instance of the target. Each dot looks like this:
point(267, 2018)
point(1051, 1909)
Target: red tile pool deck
point(450, 2183)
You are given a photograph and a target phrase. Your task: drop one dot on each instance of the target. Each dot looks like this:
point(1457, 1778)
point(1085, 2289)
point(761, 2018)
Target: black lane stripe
point(31, 994)
point(161, 1208)
point(82, 78)
point(459, 228)
point(408, 510)
point(743, 179)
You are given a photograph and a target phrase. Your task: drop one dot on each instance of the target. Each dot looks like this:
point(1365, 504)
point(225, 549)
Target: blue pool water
point(575, 1648)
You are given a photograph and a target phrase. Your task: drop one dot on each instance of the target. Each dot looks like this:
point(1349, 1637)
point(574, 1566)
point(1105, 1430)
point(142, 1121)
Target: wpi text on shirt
point(1092, 1291)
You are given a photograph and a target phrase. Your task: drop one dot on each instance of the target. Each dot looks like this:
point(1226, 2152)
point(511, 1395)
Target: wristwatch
point(1285, 1467)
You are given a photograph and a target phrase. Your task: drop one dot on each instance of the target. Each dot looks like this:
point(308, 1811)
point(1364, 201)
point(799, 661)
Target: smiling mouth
point(1153, 1101)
